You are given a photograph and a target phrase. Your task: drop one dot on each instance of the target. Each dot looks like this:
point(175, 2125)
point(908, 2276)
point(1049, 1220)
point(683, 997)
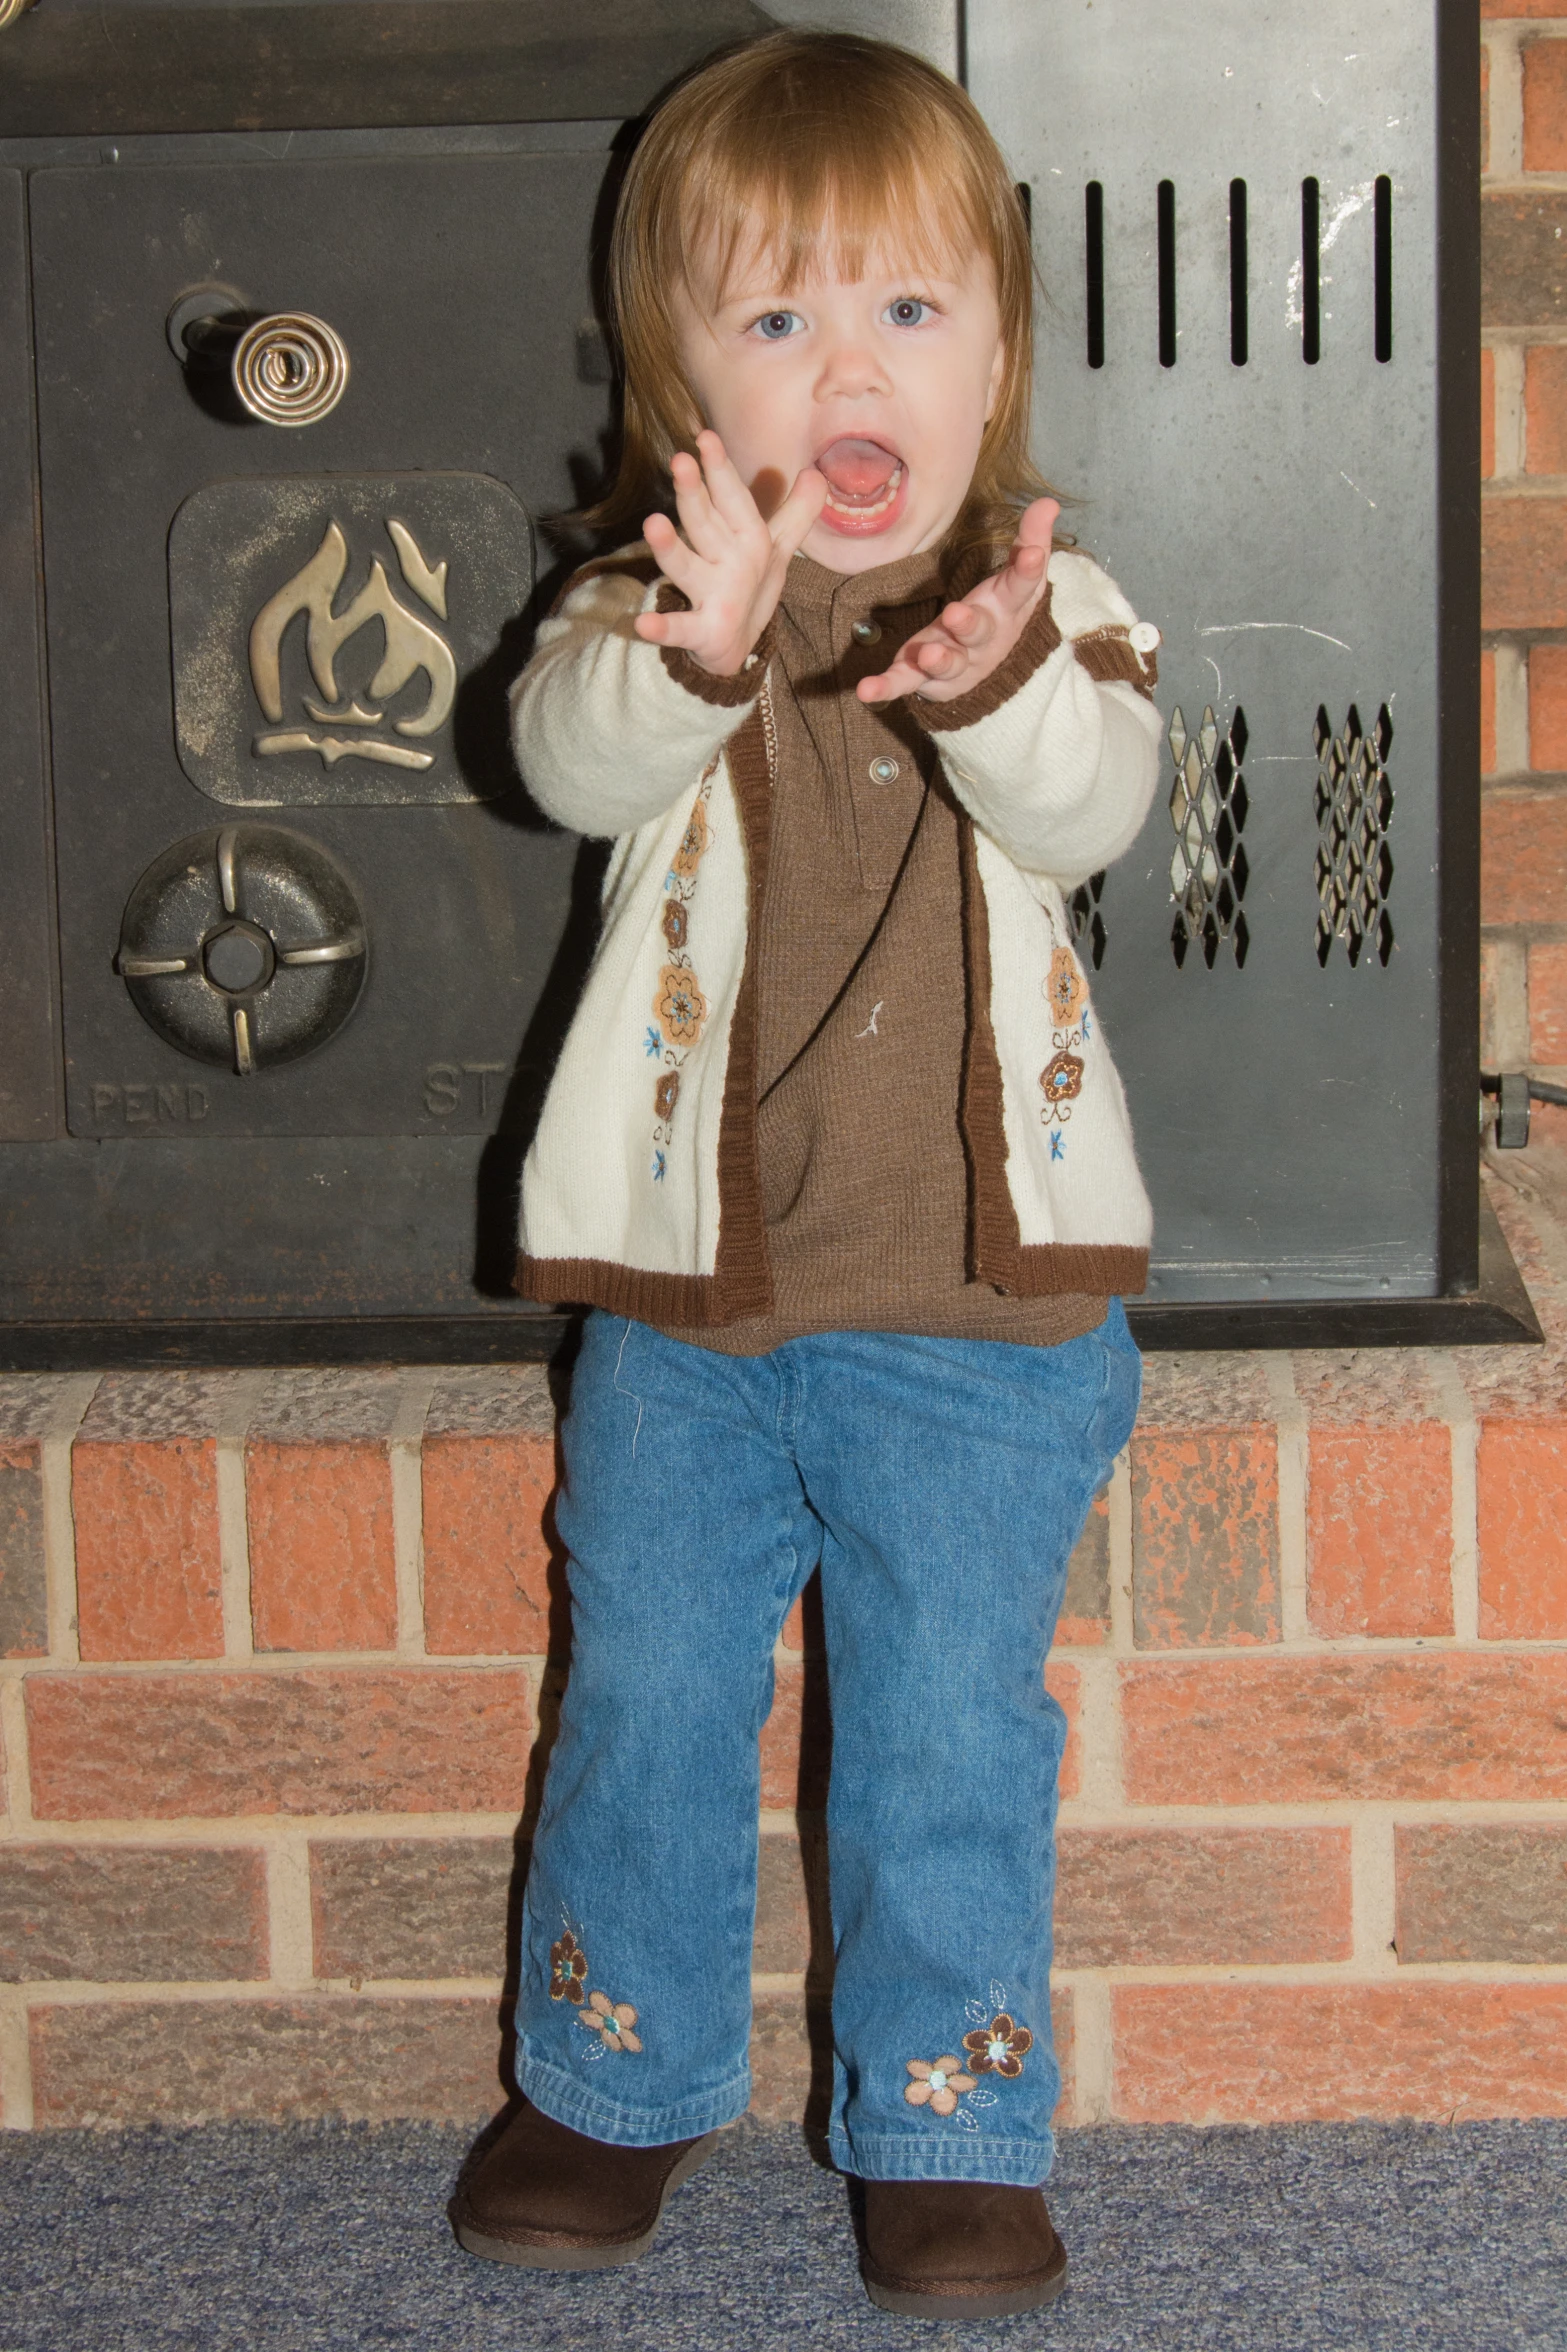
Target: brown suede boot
point(959, 2249)
point(550, 2198)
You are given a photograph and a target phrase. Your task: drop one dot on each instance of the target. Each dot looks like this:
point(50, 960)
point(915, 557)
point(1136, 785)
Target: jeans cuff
point(907, 2156)
point(568, 2101)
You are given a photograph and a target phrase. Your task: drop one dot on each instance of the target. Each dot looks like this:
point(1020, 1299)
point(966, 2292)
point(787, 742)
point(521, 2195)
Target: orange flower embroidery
point(998, 2047)
point(680, 1005)
point(1064, 987)
point(568, 1967)
point(938, 2085)
point(613, 2019)
point(693, 842)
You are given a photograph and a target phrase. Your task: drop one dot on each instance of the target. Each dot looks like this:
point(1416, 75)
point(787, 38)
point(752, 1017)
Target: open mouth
point(865, 484)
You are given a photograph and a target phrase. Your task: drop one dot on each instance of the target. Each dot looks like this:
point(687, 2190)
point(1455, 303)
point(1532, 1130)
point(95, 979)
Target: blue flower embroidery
point(655, 1044)
point(1058, 1145)
point(658, 1167)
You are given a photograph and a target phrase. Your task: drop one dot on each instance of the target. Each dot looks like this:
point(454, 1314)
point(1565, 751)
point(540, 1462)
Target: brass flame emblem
point(412, 645)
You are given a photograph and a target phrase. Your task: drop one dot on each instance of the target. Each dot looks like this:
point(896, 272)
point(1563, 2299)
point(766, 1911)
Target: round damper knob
point(245, 948)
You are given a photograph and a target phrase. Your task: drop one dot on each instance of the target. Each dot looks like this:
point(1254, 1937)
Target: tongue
point(857, 470)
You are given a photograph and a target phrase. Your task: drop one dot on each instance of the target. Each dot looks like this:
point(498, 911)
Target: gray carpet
point(320, 2237)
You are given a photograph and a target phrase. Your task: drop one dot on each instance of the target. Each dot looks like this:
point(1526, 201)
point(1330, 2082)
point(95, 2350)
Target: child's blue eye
point(775, 326)
point(908, 311)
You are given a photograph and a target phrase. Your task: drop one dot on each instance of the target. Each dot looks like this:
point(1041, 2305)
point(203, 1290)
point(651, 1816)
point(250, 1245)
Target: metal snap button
point(884, 771)
point(865, 632)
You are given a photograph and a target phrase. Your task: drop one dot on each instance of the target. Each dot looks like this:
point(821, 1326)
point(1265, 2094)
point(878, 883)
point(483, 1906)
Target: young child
point(837, 1156)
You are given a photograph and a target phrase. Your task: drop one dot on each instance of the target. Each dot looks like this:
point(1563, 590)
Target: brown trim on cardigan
point(994, 1242)
point(997, 1253)
point(619, 1290)
point(1038, 642)
point(743, 1278)
point(744, 686)
point(1103, 1268)
point(1109, 656)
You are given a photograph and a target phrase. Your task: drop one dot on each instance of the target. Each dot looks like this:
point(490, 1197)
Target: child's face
point(883, 382)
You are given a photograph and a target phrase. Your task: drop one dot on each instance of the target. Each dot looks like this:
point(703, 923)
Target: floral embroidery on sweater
point(679, 1006)
point(1061, 1080)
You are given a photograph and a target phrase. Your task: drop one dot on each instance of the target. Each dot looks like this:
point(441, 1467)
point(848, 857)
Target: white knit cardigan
point(641, 1190)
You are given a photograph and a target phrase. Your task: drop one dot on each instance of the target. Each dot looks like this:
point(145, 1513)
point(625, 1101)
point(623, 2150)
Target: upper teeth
point(875, 506)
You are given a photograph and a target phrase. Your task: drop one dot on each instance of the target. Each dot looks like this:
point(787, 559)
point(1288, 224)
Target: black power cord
point(1515, 1090)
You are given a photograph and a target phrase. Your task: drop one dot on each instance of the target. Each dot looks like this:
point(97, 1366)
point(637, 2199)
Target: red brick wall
point(1524, 390)
point(279, 1659)
point(278, 1653)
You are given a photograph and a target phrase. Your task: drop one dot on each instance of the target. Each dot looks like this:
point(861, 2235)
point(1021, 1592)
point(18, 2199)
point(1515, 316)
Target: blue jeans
point(941, 1485)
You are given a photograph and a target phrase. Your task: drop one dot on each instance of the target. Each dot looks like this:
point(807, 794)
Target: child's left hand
point(969, 640)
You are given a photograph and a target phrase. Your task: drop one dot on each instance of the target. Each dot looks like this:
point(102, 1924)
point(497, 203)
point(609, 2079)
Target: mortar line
point(262, 1832)
point(1098, 1727)
point(1373, 1896)
point(1505, 157)
point(243, 1403)
point(1291, 1440)
point(54, 1454)
point(1509, 417)
point(1512, 709)
point(231, 1992)
point(16, 2061)
point(1118, 1498)
point(1463, 1428)
point(13, 1731)
point(1093, 2046)
point(406, 1458)
point(290, 1926)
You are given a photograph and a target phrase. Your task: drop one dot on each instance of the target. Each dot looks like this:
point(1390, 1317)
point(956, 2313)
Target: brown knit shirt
point(861, 995)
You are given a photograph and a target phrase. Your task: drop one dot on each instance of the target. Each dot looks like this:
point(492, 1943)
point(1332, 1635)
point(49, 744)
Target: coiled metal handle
point(290, 369)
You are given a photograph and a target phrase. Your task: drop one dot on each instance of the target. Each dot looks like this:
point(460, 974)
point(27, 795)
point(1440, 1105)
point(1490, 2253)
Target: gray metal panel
point(1279, 521)
point(29, 1013)
point(458, 284)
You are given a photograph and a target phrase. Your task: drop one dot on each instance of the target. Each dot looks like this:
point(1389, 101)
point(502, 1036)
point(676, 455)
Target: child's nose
point(850, 370)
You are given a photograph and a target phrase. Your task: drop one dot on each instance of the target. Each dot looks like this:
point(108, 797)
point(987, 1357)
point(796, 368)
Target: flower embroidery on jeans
point(938, 2084)
point(611, 2019)
point(999, 2047)
point(568, 1967)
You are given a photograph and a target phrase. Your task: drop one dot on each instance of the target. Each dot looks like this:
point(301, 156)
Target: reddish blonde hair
point(817, 137)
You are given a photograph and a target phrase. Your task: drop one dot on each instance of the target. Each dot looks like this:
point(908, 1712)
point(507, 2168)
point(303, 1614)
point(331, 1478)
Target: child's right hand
point(733, 570)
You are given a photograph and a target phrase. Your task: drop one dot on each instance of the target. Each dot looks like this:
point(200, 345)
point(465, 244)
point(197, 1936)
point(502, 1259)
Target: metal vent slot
point(1310, 272)
point(1088, 924)
point(1382, 234)
point(1166, 242)
point(1239, 290)
point(1094, 269)
point(1208, 808)
point(1354, 804)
